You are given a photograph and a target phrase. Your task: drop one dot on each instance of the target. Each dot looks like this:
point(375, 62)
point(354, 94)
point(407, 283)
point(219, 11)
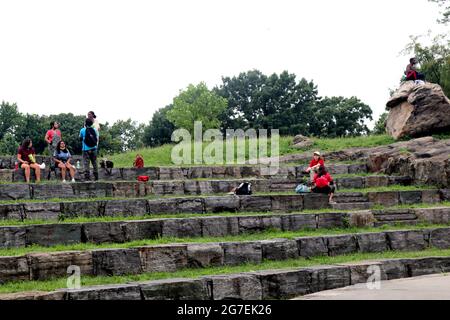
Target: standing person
point(91, 115)
point(89, 137)
point(26, 155)
point(314, 165)
point(62, 158)
point(53, 137)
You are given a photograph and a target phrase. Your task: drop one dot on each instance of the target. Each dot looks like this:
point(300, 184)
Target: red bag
point(143, 178)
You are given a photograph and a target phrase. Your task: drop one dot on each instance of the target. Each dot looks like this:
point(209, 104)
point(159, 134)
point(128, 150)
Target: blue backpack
point(301, 188)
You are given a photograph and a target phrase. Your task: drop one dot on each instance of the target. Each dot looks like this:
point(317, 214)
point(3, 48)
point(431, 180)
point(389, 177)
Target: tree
point(445, 4)
point(340, 117)
point(159, 129)
point(276, 101)
point(8, 144)
point(9, 118)
point(197, 103)
point(380, 125)
point(129, 133)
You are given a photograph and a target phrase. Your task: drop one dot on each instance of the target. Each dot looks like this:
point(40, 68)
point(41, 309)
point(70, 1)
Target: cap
point(317, 152)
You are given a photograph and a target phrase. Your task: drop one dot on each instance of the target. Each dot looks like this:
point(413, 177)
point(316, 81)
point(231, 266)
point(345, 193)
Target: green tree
point(340, 117)
point(10, 118)
point(129, 132)
point(8, 144)
point(380, 125)
point(197, 103)
point(159, 129)
point(445, 5)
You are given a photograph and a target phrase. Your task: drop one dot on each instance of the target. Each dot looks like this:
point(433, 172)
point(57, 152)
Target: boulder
point(418, 110)
point(301, 142)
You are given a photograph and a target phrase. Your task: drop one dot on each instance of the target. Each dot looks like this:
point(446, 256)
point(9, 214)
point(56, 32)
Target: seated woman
point(323, 183)
point(26, 155)
point(411, 72)
point(62, 159)
point(314, 165)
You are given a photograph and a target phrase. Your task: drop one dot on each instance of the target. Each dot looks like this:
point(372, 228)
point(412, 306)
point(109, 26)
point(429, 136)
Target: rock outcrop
point(417, 111)
point(301, 142)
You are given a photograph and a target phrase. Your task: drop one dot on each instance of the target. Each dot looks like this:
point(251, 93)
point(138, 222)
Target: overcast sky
point(128, 58)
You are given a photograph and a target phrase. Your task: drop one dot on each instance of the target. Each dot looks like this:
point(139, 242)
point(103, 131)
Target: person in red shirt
point(314, 165)
point(27, 159)
point(52, 137)
point(323, 183)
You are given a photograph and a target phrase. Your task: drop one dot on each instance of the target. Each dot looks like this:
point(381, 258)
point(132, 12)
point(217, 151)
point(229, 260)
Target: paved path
point(434, 287)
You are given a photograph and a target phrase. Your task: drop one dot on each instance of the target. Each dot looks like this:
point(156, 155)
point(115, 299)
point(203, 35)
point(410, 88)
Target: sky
point(126, 59)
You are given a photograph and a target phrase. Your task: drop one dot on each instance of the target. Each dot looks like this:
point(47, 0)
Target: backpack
point(107, 165)
point(90, 137)
point(244, 189)
point(138, 162)
point(301, 188)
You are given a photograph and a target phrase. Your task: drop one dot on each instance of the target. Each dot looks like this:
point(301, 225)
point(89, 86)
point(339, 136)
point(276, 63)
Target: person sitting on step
point(26, 155)
point(314, 165)
point(323, 183)
point(62, 158)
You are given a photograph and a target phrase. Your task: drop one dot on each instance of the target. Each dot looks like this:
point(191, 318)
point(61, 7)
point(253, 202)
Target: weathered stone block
point(82, 209)
point(329, 277)
point(330, 220)
point(361, 272)
point(429, 265)
point(171, 173)
point(250, 224)
point(49, 265)
point(168, 187)
point(338, 169)
point(315, 201)
point(200, 172)
point(126, 207)
point(109, 292)
point(255, 203)
point(205, 255)
point(52, 234)
point(12, 237)
point(371, 242)
point(376, 181)
point(350, 183)
point(191, 205)
point(279, 249)
point(389, 198)
point(242, 252)
point(6, 175)
point(433, 215)
point(133, 173)
point(49, 191)
point(342, 244)
point(220, 226)
point(223, 186)
point(14, 269)
point(271, 222)
point(235, 287)
point(406, 240)
point(115, 174)
point(144, 229)
point(12, 211)
point(163, 258)
point(129, 189)
point(218, 172)
point(222, 204)
point(175, 289)
point(312, 246)
point(181, 228)
point(394, 268)
point(14, 191)
point(440, 238)
point(287, 203)
point(410, 197)
point(400, 180)
point(162, 206)
point(431, 196)
point(103, 232)
point(233, 172)
point(116, 262)
point(357, 168)
point(283, 284)
point(296, 222)
point(42, 210)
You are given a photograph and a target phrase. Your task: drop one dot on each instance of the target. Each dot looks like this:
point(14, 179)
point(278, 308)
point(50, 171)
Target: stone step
point(205, 172)
point(27, 209)
point(403, 222)
point(256, 285)
point(127, 189)
point(174, 257)
point(351, 206)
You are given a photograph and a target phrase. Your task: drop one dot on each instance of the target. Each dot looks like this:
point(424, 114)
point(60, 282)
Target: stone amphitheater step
point(123, 189)
point(257, 285)
point(53, 234)
point(174, 257)
point(199, 172)
point(207, 204)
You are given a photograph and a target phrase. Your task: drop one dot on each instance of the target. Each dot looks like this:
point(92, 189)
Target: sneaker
point(64, 181)
point(73, 181)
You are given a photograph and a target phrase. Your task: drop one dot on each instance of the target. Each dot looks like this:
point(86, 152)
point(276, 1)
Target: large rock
point(418, 110)
point(301, 142)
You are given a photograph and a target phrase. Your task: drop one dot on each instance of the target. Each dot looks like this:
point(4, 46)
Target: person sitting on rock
point(323, 183)
point(314, 165)
point(62, 158)
point(26, 155)
point(411, 72)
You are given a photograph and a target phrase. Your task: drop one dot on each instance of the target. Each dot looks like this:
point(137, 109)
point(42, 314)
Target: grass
point(390, 188)
point(61, 283)
point(264, 235)
point(161, 156)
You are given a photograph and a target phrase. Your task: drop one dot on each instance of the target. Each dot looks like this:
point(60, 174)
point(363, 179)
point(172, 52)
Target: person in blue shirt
point(89, 138)
point(62, 158)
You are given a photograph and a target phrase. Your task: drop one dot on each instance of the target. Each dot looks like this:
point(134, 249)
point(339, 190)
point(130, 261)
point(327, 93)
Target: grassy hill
point(161, 156)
